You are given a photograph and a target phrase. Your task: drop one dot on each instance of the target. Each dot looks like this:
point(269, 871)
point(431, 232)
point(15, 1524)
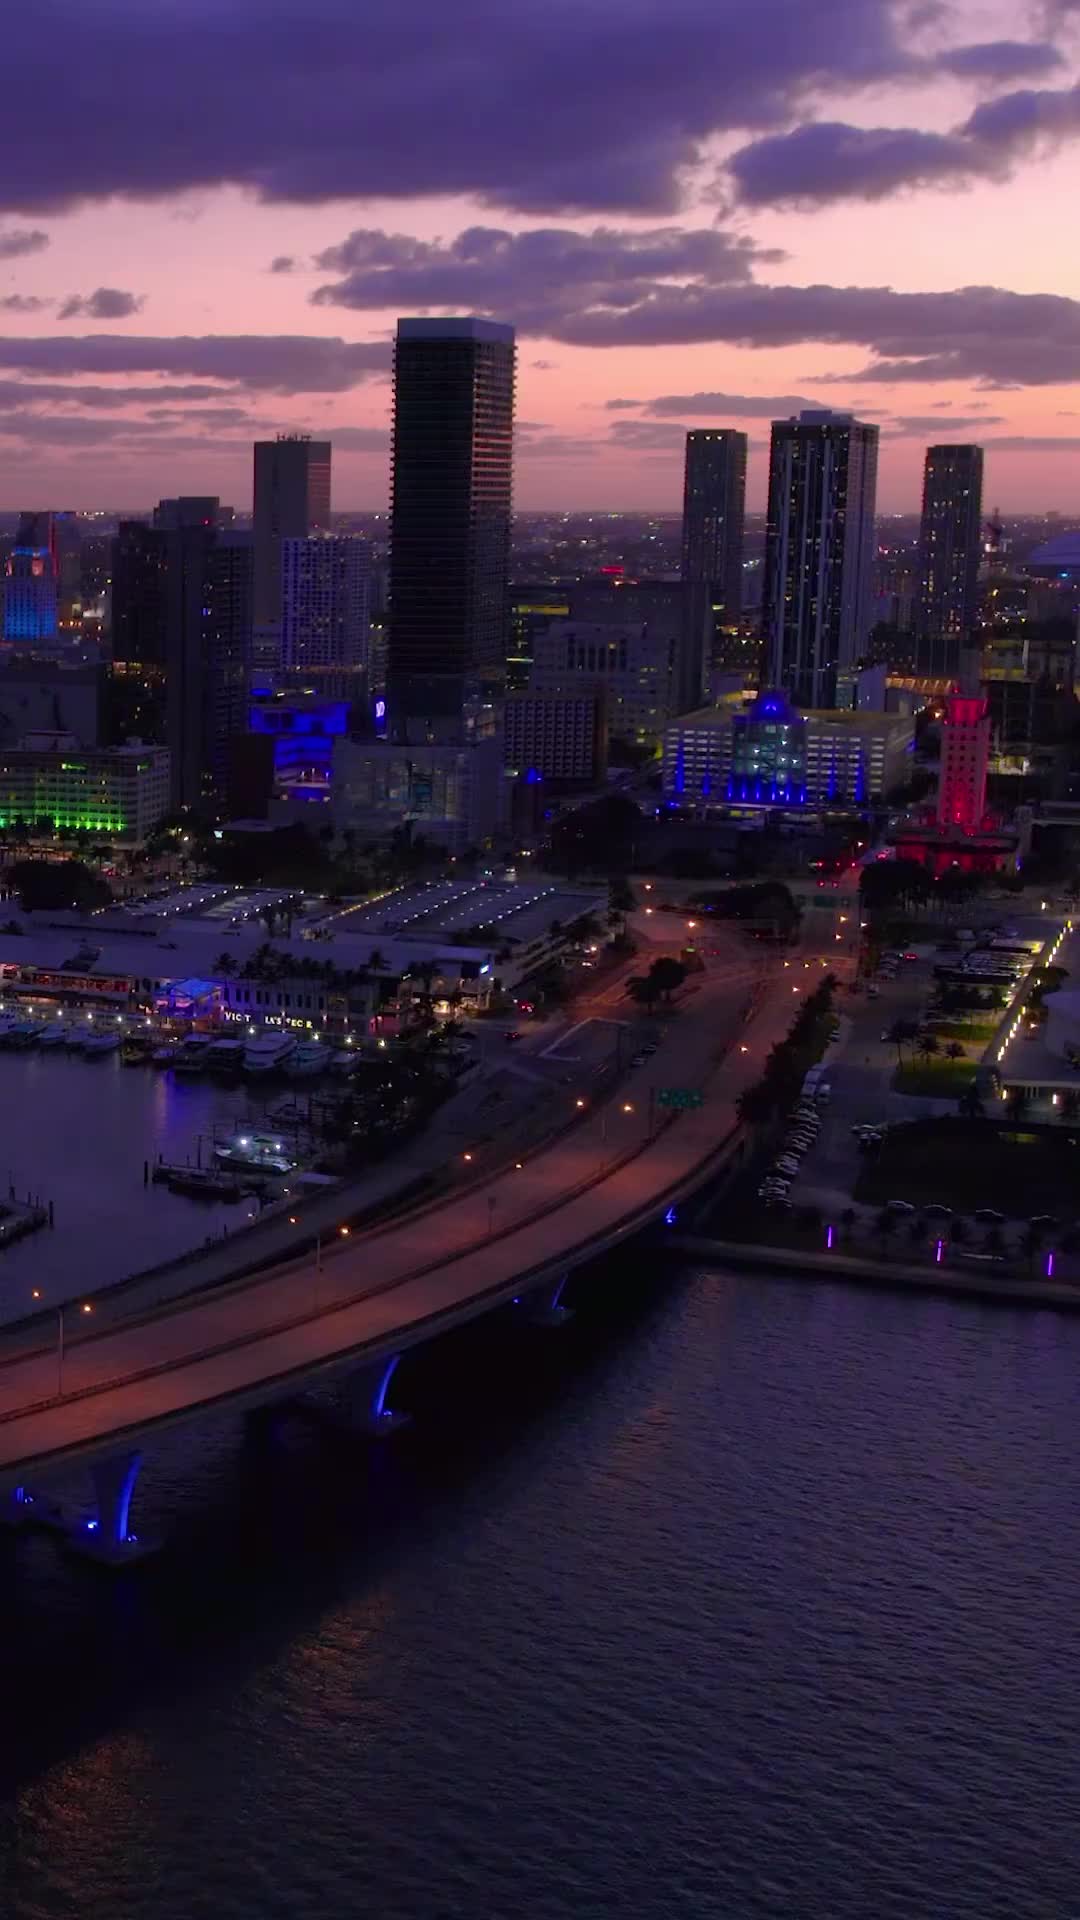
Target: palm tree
point(954, 1051)
point(928, 1045)
point(225, 965)
point(376, 960)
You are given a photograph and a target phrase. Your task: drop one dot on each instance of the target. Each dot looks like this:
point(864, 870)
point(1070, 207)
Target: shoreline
point(790, 1263)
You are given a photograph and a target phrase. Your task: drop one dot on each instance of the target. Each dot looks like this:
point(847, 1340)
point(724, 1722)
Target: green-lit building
point(49, 782)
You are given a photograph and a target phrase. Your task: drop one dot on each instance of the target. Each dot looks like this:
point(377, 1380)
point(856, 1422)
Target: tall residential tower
point(949, 546)
point(450, 524)
point(291, 501)
point(819, 552)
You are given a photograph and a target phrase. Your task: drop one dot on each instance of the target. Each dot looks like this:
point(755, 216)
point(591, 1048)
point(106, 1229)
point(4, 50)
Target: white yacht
point(268, 1052)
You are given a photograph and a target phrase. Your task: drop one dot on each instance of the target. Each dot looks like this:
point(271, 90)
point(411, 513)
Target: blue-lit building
point(773, 755)
point(31, 613)
point(303, 729)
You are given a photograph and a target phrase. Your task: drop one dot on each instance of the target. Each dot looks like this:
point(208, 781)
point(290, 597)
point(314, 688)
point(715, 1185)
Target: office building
point(949, 551)
point(532, 608)
point(50, 782)
point(450, 793)
point(450, 525)
point(631, 666)
point(671, 616)
point(714, 513)
point(291, 501)
point(775, 754)
point(714, 516)
point(31, 585)
point(819, 552)
point(135, 703)
point(217, 710)
point(965, 754)
point(558, 737)
point(324, 603)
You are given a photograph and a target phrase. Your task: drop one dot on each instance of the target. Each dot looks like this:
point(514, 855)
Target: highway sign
point(685, 1097)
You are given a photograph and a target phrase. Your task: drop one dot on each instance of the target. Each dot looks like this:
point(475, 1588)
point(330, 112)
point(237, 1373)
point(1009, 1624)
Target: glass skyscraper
point(949, 547)
point(450, 524)
point(819, 552)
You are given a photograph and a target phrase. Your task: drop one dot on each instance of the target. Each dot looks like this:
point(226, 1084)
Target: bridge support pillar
point(370, 1387)
point(546, 1308)
point(106, 1534)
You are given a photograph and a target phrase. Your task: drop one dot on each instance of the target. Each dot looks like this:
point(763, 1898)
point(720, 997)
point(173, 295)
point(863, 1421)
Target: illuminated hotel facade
point(51, 783)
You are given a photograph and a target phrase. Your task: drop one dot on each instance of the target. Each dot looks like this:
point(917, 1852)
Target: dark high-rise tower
point(291, 501)
point(949, 545)
point(714, 513)
point(819, 552)
point(450, 523)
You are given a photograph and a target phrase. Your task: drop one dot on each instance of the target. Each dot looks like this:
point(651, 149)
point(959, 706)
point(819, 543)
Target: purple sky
point(694, 212)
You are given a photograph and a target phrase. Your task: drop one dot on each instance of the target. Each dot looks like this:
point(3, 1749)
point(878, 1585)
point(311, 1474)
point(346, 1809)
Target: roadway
point(394, 1286)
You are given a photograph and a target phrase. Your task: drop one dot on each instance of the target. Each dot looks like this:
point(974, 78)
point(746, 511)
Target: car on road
point(872, 992)
point(514, 1034)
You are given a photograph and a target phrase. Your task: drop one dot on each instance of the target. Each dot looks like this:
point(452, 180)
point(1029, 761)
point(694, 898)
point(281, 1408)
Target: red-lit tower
point(965, 752)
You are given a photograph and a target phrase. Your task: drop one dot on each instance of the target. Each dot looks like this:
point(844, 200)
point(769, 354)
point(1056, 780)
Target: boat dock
point(20, 1217)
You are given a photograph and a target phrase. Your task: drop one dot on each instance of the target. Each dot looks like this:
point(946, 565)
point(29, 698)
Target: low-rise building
point(773, 754)
point(49, 781)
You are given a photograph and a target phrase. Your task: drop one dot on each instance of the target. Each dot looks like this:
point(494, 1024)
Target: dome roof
point(773, 704)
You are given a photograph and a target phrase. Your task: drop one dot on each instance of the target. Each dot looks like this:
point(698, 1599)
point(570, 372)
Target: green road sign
point(685, 1097)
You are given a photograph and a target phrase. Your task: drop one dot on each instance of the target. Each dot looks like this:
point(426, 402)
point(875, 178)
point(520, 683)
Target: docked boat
point(310, 1058)
point(193, 1054)
point(268, 1053)
point(164, 1056)
point(77, 1037)
point(344, 1062)
point(136, 1050)
point(204, 1183)
point(101, 1043)
point(225, 1056)
point(53, 1036)
point(19, 1032)
point(255, 1153)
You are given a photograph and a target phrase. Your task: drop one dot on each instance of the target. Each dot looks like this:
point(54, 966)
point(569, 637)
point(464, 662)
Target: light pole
point(60, 1353)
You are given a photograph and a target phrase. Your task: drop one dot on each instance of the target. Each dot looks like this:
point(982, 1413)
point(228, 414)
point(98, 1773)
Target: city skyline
point(880, 235)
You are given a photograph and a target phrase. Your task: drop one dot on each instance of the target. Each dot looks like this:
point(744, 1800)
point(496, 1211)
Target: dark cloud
point(23, 303)
point(283, 263)
point(1035, 443)
point(16, 393)
point(648, 435)
point(491, 270)
point(668, 287)
point(580, 103)
point(105, 303)
point(736, 406)
point(1002, 60)
point(17, 242)
point(936, 423)
point(830, 160)
point(268, 362)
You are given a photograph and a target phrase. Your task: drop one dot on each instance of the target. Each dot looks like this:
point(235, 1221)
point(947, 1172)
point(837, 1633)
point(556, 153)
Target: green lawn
point(942, 1079)
point(975, 1163)
point(975, 1032)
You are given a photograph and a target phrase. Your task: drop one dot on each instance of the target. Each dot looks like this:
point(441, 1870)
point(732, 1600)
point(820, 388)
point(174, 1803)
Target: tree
point(667, 974)
point(900, 1033)
point(376, 960)
point(643, 989)
point(928, 1045)
point(225, 964)
point(954, 1051)
point(970, 1105)
point(65, 883)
